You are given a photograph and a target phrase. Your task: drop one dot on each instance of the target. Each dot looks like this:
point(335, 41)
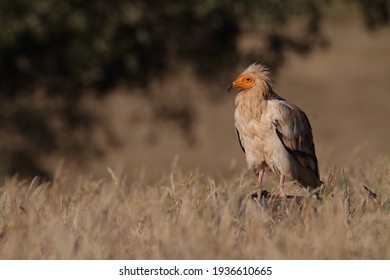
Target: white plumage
point(274, 133)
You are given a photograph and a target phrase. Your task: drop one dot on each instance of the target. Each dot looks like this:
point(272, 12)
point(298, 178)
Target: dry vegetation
point(188, 215)
point(137, 211)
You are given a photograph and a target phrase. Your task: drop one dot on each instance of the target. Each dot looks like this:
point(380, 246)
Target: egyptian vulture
point(273, 133)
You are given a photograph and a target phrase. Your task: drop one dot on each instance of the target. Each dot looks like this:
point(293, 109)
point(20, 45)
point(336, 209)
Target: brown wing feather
point(294, 131)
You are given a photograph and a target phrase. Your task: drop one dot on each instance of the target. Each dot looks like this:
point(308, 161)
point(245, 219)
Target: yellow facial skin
point(243, 81)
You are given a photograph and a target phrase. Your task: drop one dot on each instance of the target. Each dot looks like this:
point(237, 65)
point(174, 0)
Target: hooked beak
point(243, 82)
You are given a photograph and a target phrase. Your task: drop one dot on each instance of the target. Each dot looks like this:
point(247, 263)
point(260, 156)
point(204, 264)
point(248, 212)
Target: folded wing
point(294, 131)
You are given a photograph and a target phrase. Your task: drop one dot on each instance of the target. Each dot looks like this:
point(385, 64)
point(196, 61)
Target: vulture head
point(255, 76)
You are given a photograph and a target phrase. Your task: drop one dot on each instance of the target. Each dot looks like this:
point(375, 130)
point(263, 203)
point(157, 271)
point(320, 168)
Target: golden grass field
point(190, 215)
point(156, 197)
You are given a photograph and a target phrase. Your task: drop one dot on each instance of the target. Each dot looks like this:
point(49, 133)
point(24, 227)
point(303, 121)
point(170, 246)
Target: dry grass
point(187, 215)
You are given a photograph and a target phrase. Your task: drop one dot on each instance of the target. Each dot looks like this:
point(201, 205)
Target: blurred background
point(137, 85)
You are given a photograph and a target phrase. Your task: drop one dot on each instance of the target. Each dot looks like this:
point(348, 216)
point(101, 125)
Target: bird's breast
point(253, 130)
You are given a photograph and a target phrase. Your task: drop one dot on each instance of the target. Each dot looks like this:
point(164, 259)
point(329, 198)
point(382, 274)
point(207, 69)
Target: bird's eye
point(248, 79)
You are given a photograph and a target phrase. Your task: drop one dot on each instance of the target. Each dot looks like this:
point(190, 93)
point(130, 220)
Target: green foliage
point(64, 48)
point(68, 45)
point(376, 13)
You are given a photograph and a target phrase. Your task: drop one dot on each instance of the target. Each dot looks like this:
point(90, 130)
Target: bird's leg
point(281, 186)
point(259, 188)
point(260, 180)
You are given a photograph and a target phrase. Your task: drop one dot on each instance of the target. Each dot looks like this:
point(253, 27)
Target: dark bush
point(65, 48)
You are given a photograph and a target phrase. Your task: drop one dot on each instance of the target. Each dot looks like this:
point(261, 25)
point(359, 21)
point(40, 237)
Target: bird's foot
point(279, 193)
point(260, 194)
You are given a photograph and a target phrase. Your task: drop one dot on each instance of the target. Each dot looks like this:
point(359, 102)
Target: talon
point(265, 194)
